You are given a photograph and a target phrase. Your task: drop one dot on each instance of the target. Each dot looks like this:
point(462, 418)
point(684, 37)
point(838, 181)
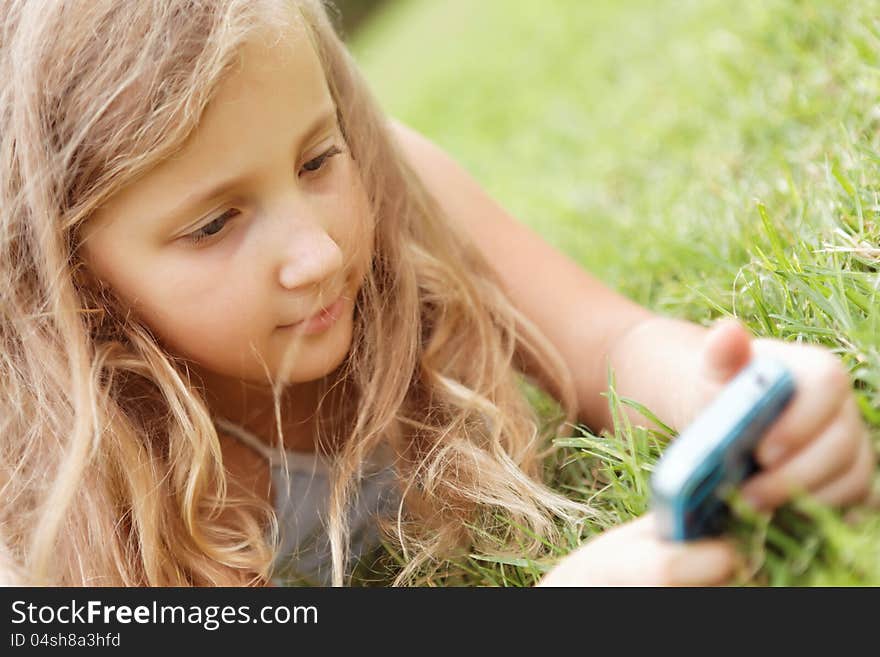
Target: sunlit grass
point(706, 158)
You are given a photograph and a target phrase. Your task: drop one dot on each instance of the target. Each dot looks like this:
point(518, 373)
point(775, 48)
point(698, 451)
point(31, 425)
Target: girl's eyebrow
point(323, 120)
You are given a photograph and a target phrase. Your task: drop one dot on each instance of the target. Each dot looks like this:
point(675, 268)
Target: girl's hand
point(633, 555)
point(819, 444)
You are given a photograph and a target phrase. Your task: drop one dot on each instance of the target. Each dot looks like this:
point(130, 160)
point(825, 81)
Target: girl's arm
point(820, 444)
point(583, 318)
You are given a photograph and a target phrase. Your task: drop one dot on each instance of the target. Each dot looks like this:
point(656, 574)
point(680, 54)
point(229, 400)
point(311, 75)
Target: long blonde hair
point(111, 466)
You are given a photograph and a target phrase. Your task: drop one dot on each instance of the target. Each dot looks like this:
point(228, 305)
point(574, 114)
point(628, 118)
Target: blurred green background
point(634, 135)
point(704, 157)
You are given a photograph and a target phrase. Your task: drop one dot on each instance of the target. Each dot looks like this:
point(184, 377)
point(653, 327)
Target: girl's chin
point(323, 356)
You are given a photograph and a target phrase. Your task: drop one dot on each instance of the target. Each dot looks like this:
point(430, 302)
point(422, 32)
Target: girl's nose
point(310, 258)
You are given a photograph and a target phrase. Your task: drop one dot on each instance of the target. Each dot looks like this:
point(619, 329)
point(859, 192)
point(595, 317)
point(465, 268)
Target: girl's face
point(258, 222)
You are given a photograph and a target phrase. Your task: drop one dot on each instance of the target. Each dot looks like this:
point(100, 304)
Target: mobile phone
point(715, 452)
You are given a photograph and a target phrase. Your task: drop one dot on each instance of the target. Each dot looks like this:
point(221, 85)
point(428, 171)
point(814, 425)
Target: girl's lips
point(321, 321)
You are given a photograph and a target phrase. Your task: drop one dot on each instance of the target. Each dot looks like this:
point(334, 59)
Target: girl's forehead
point(270, 97)
point(267, 52)
point(283, 72)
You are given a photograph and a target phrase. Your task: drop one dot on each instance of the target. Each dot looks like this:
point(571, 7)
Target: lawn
point(705, 158)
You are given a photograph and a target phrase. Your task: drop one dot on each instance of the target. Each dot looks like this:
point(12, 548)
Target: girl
point(248, 322)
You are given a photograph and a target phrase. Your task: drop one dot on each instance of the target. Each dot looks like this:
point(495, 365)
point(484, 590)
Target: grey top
point(301, 504)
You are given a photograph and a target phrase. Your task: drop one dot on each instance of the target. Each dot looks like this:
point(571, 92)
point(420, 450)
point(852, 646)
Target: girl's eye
point(318, 162)
point(210, 229)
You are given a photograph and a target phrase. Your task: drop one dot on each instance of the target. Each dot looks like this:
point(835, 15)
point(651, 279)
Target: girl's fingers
point(653, 562)
point(820, 462)
point(697, 563)
point(632, 555)
point(822, 384)
point(855, 485)
point(656, 562)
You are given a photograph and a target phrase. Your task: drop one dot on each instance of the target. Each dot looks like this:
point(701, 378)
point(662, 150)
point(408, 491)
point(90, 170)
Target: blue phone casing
point(716, 451)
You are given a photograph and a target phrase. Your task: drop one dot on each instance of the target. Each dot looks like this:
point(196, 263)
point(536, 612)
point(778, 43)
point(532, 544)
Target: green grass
point(705, 158)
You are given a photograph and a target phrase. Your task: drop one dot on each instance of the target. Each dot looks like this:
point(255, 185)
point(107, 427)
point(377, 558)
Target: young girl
point(249, 322)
